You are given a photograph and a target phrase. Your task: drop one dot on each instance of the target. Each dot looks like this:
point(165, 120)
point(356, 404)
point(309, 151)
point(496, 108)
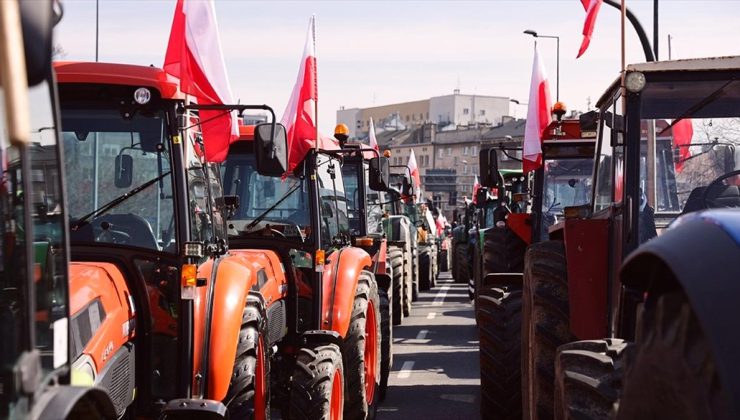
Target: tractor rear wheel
point(317, 389)
point(425, 270)
point(408, 282)
point(588, 377)
point(673, 367)
point(361, 351)
point(545, 325)
point(386, 343)
point(395, 257)
point(499, 323)
point(461, 263)
point(249, 391)
point(503, 251)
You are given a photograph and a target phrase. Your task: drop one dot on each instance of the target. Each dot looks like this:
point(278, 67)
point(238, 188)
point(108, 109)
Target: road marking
point(431, 315)
point(405, 371)
point(440, 299)
point(422, 334)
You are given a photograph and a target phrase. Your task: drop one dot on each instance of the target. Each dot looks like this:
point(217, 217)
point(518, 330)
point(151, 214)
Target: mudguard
point(701, 251)
point(340, 277)
point(397, 228)
point(63, 402)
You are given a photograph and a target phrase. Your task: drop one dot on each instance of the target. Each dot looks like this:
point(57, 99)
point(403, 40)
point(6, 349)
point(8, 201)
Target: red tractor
point(165, 318)
point(522, 217)
point(36, 376)
point(665, 147)
point(325, 321)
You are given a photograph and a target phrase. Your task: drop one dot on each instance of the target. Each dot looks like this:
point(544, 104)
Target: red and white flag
point(373, 139)
point(194, 56)
point(592, 10)
point(538, 116)
point(414, 170)
point(476, 185)
point(299, 117)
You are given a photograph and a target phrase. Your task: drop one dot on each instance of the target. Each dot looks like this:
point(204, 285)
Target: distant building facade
point(448, 112)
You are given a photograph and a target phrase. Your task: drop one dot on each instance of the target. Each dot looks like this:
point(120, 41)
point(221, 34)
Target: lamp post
point(557, 74)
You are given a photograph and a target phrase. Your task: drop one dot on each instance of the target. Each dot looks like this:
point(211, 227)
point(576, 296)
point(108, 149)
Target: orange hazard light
point(189, 275)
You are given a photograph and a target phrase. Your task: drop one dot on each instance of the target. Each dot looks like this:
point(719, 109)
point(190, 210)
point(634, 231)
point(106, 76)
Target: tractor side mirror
point(229, 204)
point(380, 173)
point(271, 149)
point(406, 187)
point(124, 171)
point(489, 175)
point(480, 197)
point(37, 21)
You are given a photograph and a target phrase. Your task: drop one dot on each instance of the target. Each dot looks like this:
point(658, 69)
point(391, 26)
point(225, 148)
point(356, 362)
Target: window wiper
point(699, 105)
point(116, 201)
point(259, 218)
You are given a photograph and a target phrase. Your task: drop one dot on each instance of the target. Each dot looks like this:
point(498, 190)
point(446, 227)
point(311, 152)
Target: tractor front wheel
point(317, 389)
point(386, 343)
point(361, 351)
point(545, 325)
point(425, 270)
point(395, 256)
point(673, 367)
point(462, 268)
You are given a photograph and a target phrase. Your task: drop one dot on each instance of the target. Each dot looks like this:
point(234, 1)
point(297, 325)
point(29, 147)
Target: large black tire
point(545, 325)
point(386, 343)
point(316, 370)
point(499, 323)
point(461, 263)
point(673, 373)
point(475, 280)
point(425, 270)
point(503, 251)
point(395, 256)
point(251, 359)
point(415, 281)
point(443, 261)
point(408, 282)
point(358, 404)
point(588, 377)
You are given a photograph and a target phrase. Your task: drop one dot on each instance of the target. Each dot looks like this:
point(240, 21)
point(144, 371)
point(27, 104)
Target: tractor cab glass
point(355, 205)
point(332, 200)
point(567, 183)
point(118, 168)
point(268, 205)
point(37, 298)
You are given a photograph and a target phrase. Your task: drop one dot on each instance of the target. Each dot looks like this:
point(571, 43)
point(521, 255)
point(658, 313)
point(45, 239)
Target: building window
point(465, 151)
point(423, 149)
point(441, 152)
point(482, 112)
point(475, 151)
point(455, 160)
point(465, 169)
point(449, 152)
point(475, 170)
point(407, 118)
point(466, 111)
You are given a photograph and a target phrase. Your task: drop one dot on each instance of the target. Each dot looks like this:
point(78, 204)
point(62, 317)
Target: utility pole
point(97, 24)
point(669, 46)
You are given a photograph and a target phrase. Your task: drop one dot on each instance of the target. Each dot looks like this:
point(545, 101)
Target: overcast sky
point(379, 52)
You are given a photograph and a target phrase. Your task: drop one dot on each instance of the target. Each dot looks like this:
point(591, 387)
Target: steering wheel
point(709, 196)
point(109, 235)
point(278, 233)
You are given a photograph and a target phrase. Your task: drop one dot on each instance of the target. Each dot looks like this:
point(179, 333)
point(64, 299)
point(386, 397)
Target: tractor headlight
point(142, 96)
point(634, 81)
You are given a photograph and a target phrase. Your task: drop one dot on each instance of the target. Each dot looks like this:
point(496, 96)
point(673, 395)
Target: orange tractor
point(165, 318)
point(520, 218)
point(324, 321)
point(35, 368)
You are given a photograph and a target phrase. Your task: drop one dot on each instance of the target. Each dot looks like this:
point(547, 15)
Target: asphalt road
point(435, 362)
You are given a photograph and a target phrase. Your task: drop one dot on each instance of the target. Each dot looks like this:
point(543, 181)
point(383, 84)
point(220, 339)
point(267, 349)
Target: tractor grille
point(276, 327)
point(118, 378)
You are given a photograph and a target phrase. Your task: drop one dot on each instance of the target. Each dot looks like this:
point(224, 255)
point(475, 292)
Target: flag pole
point(316, 79)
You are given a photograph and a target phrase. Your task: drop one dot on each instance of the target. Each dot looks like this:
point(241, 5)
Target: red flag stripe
point(588, 26)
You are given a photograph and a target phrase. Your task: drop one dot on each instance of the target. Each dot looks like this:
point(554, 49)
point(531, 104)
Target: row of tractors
point(140, 280)
point(604, 282)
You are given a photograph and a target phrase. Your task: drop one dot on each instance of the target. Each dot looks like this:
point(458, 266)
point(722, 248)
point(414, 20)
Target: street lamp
point(557, 76)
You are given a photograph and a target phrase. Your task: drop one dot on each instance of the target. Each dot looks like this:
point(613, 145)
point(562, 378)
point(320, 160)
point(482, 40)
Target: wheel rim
point(337, 396)
point(371, 349)
point(260, 388)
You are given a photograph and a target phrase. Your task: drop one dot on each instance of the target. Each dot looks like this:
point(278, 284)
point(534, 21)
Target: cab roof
point(119, 74)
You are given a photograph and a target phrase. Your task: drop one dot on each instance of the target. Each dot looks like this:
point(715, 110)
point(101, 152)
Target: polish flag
point(414, 169)
point(373, 139)
point(682, 131)
point(538, 116)
point(299, 117)
point(476, 185)
point(194, 56)
point(592, 10)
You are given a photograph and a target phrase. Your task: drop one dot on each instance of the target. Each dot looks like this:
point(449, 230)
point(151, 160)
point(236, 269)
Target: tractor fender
point(340, 279)
point(701, 252)
point(92, 285)
point(233, 280)
point(273, 284)
point(63, 402)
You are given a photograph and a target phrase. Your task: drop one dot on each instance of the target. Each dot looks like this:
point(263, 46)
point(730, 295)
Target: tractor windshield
point(283, 204)
point(567, 182)
point(694, 129)
point(119, 176)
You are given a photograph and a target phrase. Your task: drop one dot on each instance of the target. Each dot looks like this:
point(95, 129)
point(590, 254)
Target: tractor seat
point(135, 226)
